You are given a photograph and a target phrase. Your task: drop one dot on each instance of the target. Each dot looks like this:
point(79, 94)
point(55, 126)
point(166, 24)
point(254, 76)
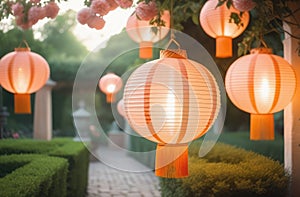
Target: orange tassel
point(22, 103)
point(223, 47)
point(146, 50)
point(171, 161)
point(262, 127)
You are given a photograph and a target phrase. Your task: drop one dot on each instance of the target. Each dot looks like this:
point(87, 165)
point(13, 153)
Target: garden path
point(106, 181)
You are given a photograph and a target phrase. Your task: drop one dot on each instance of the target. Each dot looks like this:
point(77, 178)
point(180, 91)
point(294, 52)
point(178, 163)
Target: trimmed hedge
point(33, 175)
point(228, 171)
point(75, 152)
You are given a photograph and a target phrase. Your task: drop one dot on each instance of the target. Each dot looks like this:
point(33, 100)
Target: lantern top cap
point(20, 49)
point(173, 53)
point(261, 51)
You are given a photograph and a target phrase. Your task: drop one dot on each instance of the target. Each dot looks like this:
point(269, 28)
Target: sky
point(91, 38)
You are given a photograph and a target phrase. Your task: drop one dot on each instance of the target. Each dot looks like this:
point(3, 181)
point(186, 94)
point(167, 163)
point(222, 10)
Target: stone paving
point(106, 181)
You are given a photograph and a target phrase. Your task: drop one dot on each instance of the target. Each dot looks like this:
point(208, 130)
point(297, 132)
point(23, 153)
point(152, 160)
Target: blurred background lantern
point(216, 22)
point(171, 101)
point(261, 84)
point(23, 72)
point(110, 84)
point(145, 34)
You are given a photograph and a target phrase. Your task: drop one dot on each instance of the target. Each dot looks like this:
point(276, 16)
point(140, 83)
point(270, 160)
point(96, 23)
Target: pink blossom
point(51, 9)
point(20, 21)
point(17, 9)
point(15, 135)
point(146, 11)
point(35, 1)
point(83, 15)
point(96, 22)
point(36, 13)
point(124, 3)
point(112, 3)
point(243, 5)
point(100, 7)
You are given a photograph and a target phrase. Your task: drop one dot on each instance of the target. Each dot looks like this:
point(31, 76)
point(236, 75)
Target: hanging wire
point(172, 36)
point(23, 42)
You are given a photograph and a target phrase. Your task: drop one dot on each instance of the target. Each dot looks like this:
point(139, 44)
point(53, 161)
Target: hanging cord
point(23, 42)
point(262, 43)
point(172, 36)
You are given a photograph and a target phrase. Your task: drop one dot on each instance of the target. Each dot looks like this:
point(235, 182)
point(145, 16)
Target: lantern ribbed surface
point(142, 32)
point(261, 84)
point(120, 108)
point(23, 72)
point(215, 21)
point(110, 84)
point(171, 101)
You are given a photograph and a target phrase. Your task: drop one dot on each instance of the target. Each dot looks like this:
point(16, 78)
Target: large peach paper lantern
point(261, 84)
point(110, 84)
point(215, 21)
point(142, 32)
point(23, 72)
point(171, 101)
point(120, 108)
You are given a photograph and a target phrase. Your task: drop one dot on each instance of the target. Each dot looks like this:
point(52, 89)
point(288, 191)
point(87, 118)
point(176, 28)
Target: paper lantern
point(171, 101)
point(23, 72)
point(215, 21)
point(110, 84)
point(261, 84)
point(142, 32)
point(120, 108)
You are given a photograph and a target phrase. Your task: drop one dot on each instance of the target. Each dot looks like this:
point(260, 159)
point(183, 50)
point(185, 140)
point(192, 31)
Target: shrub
point(75, 152)
point(34, 175)
point(228, 171)
point(78, 158)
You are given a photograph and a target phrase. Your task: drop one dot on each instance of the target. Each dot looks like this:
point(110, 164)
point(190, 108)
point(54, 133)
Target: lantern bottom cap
point(171, 161)
point(22, 104)
point(223, 47)
point(145, 51)
point(262, 127)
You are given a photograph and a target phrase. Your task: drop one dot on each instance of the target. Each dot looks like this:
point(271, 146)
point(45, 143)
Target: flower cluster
point(28, 13)
point(93, 14)
point(146, 11)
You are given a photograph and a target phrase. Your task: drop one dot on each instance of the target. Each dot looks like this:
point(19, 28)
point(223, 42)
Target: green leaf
point(195, 19)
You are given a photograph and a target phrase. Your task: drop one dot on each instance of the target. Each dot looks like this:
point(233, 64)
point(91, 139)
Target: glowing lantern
point(23, 72)
point(110, 84)
point(261, 84)
point(171, 101)
point(142, 32)
point(215, 21)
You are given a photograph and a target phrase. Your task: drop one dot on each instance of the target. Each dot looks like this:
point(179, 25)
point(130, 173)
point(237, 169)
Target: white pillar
point(292, 113)
point(42, 123)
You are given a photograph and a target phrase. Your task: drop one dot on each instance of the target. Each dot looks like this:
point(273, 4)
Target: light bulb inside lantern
point(264, 90)
point(22, 81)
point(111, 88)
point(170, 109)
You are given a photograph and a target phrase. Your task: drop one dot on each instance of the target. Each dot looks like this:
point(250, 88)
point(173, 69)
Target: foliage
point(228, 171)
point(78, 158)
point(272, 149)
point(35, 175)
point(75, 152)
point(59, 41)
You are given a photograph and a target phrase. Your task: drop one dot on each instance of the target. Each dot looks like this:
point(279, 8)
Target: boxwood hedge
point(228, 171)
point(33, 175)
point(75, 152)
